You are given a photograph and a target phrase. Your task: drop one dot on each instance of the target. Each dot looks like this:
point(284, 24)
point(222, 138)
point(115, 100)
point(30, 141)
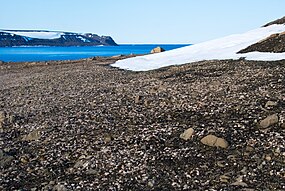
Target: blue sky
point(142, 21)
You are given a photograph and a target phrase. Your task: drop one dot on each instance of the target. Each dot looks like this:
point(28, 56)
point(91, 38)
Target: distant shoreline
point(49, 53)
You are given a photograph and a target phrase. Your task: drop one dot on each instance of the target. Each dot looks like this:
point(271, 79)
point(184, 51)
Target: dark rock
point(278, 21)
point(5, 160)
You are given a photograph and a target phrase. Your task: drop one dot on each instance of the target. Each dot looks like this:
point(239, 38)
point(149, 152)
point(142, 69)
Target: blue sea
point(23, 54)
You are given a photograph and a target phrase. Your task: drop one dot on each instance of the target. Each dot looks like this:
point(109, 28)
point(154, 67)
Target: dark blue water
point(21, 54)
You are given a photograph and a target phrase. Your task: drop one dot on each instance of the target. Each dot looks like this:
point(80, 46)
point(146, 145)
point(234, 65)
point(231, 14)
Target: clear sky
point(142, 21)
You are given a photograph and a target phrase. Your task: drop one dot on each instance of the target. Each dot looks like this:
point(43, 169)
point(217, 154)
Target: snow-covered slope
point(219, 49)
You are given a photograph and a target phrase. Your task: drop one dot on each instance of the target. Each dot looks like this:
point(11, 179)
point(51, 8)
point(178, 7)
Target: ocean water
point(23, 54)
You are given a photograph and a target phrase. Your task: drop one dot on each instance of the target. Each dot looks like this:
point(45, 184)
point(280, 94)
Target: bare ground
point(83, 125)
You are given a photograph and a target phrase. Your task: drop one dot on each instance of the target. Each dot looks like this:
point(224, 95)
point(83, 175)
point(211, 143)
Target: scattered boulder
point(214, 141)
point(33, 136)
point(268, 121)
point(187, 134)
point(157, 50)
point(270, 104)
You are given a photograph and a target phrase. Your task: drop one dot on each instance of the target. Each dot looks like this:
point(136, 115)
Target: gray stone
point(187, 134)
point(214, 141)
point(268, 121)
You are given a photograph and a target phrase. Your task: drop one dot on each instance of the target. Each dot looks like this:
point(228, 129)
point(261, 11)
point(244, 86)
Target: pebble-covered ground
point(82, 125)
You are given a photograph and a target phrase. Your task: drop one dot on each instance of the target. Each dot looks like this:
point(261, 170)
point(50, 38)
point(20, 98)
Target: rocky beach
point(83, 125)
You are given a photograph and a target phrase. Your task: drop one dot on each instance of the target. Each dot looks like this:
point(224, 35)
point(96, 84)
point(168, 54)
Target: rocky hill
point(10, 38)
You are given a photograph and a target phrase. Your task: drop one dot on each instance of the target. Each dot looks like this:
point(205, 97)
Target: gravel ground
point(82, 125)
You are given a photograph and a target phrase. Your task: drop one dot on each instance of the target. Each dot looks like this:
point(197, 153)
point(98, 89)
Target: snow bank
point(37, 34)
point(219, 49)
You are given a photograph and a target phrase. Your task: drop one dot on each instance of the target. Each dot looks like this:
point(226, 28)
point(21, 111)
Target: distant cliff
point(10, 38)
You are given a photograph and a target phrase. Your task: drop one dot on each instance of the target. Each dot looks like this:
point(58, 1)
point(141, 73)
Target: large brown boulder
point(157, 50)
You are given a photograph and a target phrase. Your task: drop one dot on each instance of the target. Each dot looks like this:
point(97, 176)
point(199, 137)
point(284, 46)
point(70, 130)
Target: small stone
point(224, 178)
point(33, 136)
point(243, 184)
point(59, 187)
point(268, 157)
point(146, 103)
point(249, 149)
point(150, 183)
point(24, 160)
point(213, 141)
point(270, 104)
point(221, 164)
point(11, 118)
point(2, 116)
point(283, 126)
point(138, 98)
point(268, 121)
point(239, 182)
point(108, 138)
point(187, 134)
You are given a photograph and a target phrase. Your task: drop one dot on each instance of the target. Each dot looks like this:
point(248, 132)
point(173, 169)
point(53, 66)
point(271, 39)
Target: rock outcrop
point(274, 43)
point(278, 21)
point(9, 38)
point(157, 50)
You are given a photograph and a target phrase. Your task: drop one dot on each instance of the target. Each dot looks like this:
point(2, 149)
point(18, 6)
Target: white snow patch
point(37, 34)
point(83, 39)
point(219, 49)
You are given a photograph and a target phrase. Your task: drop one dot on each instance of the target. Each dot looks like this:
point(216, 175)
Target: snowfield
point(37, 34)
point(219, 49)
